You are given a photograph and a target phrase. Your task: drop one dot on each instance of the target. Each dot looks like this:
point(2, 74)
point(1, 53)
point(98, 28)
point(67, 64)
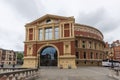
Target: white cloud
point(11, 28)
point(14, 14)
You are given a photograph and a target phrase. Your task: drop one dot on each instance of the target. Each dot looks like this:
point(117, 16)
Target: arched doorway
point(48, 56)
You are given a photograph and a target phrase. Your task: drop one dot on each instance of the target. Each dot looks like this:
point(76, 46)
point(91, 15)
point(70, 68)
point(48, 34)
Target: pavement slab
point(81, 73)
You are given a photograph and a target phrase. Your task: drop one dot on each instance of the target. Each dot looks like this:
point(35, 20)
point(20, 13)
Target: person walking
point(13, 65)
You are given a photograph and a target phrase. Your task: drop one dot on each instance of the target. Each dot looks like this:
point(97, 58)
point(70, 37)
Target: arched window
point(83, 44)
point(48, 56)
point(90, 45)
point(48, 21)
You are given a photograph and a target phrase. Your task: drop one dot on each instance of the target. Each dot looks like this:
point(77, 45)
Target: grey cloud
point(108, 25)
point(99, 19)
point(91, 18)
point(22, 10)
point(9, 40)
point(13, 43)
point(27, 8)
point(19, 45)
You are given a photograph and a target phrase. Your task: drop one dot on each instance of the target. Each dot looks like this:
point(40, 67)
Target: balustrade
point(18, 73)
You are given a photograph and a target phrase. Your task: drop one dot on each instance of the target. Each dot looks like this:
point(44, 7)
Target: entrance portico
point(48, 33)
point(48, 56)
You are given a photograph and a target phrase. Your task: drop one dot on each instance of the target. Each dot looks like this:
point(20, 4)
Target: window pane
point(50, 36)
point(40, 34)
point(56, 32)
point(48, 33)
point(46, 36)
point(83, 44)
point(50, 29)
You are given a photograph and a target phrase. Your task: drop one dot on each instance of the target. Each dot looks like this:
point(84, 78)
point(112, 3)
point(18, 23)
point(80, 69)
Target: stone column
point(73, 29)
point(36, 33)
point(43, 36)
point(53, 32)
point(87, 44)
point(70, 29)
point(63, 30)
point(27, 34)
point(60, 27)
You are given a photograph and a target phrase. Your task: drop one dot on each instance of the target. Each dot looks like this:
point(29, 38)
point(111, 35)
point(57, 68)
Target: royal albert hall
point(58, 41)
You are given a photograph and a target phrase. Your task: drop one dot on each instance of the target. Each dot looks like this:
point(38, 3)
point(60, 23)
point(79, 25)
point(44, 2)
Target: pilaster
point(53, 32)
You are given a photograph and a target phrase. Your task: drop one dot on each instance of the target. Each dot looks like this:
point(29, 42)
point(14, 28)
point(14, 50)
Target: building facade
point(116, 50)
point(7, 57)
point(109, 51)
point(58, 41)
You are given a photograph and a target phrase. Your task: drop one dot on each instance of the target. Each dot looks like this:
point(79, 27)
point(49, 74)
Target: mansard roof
point(50, 16)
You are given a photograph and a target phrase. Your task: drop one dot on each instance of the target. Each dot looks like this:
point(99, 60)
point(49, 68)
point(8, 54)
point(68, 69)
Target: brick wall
point(66, 30)
point(25, 50)
point(31, 34)
point(73, 48)
point(59, 45)
point(86, 34)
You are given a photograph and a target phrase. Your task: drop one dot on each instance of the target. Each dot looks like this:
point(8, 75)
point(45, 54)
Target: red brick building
point(58, 41)
point(116, 49)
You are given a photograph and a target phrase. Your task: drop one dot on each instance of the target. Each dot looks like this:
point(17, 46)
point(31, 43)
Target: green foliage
point(19, 56)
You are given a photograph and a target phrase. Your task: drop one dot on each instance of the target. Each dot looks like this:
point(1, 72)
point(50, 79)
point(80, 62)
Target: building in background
point(7, 57)
point(58, 41)
point(116, 49)
point(109, 51)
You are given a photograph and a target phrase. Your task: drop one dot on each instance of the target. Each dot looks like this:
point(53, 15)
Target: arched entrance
point(48, 56)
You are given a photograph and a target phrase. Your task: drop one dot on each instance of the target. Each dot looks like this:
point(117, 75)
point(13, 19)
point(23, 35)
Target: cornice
point(50, 16)
point(77, 24)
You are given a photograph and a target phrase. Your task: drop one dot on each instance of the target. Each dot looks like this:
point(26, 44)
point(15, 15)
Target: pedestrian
point(2, 65)
point(14, 65)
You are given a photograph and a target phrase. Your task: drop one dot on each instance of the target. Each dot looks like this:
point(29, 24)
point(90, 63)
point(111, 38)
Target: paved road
point(82, 73)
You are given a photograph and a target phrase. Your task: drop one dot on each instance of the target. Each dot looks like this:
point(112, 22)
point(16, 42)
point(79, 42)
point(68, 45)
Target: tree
point(19, 58)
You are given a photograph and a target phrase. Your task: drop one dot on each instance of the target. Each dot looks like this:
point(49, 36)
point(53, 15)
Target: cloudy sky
point(14, 14)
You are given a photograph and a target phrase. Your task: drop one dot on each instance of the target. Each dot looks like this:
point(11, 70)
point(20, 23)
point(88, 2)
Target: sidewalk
point(82, 73)
point(11, 66)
